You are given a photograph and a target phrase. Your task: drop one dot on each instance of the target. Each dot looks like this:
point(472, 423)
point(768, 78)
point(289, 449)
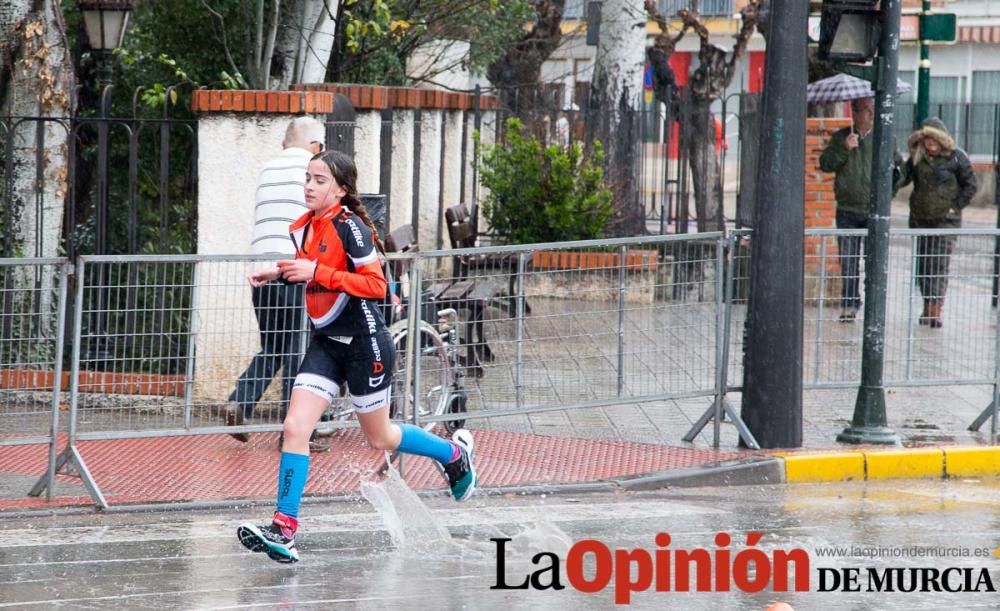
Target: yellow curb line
point(862, 465)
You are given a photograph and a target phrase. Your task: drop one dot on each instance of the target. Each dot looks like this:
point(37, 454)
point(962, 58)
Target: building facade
point(965, 76)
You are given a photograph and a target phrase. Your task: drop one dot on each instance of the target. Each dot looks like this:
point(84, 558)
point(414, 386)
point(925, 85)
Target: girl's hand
point(262, 277)
point(297, 270)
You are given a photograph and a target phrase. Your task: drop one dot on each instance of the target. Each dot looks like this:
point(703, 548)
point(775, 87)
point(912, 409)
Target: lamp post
point(105, 22)
point(869, 424)
point(859, 31)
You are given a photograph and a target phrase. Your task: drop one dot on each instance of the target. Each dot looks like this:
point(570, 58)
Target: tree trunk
point(316, 44)
point(615, 101)
point(517, 73)
point(304, 43)
point(708, 82)
point(704, 167)
point(36, 81)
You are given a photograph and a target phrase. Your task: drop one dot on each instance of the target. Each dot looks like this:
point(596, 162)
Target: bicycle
point(440, 374)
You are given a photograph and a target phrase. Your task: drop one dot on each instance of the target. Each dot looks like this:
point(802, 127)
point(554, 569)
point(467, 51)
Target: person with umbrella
point(849, 156)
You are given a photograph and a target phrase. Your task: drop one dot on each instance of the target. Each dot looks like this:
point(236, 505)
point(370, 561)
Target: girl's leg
point(304, 412)
point(383, 434)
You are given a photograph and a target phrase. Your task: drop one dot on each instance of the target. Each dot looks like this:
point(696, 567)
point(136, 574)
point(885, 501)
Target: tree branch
point(265, 67)
point(749, 14)
point(222, 31)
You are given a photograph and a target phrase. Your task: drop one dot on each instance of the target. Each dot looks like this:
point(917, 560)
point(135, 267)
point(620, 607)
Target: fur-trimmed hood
point(930, 128)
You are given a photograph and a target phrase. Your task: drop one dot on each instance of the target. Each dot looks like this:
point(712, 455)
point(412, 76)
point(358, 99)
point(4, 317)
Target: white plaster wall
point(231, 150)
point(488, 137)
point(430, 178)
point(469, 150)
point(367, 145)
point(452, 160)
point(401, 198)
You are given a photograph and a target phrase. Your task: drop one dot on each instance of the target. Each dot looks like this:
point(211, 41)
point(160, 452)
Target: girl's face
point(932, 146)
point(322, 190)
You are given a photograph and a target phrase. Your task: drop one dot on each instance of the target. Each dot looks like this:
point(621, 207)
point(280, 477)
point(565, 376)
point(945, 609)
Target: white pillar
point(452, 161)
point(367, 144)
point(401, 198)
point(430, 179)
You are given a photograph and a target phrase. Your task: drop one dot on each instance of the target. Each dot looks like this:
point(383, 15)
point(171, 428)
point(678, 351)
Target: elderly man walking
point(280, 200)
point(849, 155)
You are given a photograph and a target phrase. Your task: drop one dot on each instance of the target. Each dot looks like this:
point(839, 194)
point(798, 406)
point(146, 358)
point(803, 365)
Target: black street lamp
point(105, 21)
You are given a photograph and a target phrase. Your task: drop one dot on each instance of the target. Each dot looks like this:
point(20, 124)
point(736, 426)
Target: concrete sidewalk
point(215, 468)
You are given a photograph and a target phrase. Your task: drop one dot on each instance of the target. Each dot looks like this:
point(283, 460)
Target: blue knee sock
point(292, 474)
point(415, 440)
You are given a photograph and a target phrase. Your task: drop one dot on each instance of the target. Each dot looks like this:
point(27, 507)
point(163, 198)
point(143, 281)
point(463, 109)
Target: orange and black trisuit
point(350, 342)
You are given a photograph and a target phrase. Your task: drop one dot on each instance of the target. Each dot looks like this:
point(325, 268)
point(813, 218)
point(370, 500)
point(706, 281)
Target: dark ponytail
point(358, 209)
point(346, 174)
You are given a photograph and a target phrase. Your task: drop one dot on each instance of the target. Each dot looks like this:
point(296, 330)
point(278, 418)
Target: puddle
point(415, 529)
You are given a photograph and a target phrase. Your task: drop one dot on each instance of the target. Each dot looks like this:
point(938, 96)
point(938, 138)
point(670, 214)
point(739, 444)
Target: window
point(554, 95)
point(708, 8)
point(573, 9)
point(906, 106)
point(581, 94)
point(982, 111)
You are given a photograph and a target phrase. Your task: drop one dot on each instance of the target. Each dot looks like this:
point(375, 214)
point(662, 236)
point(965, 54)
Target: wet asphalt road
point(435, 554)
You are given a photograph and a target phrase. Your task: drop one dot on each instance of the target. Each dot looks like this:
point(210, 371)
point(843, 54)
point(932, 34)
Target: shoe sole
point(252, 539)
point(232, 419)
point(464, 438)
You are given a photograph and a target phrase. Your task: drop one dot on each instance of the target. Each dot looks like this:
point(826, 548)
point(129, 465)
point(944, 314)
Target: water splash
point(414, 528)
point(410, 523)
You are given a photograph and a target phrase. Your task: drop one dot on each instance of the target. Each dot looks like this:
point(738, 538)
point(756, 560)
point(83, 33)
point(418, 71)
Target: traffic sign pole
point(924, 74)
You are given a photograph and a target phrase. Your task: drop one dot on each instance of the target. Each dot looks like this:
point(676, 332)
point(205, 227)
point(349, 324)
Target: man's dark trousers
point(279, 315)
point(850, 258)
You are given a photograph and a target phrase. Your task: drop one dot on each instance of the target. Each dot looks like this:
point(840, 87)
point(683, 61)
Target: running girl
point(336, 258)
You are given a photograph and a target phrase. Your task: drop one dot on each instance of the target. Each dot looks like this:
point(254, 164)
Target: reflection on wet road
point(410, 557)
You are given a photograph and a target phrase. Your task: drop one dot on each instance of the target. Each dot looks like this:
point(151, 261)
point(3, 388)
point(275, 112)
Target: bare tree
point(516, 74)
point(706, 84)
point(614, 104)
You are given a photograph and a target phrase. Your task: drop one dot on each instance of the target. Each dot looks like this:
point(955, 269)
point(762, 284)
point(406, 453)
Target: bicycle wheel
point(339, 410)
point(434, 373)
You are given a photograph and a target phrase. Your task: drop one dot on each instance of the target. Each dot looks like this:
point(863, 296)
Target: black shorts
point(363, 362)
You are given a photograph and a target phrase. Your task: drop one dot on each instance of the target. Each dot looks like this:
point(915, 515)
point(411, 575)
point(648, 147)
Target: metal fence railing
point(962, 352)
point(157, 343)
point(562, 326)
point(32, 306)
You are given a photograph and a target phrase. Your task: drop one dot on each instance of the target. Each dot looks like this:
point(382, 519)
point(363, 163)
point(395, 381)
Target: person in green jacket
point(849, 155)
point(943, 183)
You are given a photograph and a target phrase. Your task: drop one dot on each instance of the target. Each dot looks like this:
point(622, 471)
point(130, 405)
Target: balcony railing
point(576, 9)
point(707, 8)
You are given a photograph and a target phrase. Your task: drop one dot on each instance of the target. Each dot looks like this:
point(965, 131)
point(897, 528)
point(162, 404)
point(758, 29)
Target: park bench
point(461, 292)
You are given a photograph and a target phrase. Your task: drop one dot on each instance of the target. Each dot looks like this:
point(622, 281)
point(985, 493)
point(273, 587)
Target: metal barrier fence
point(159, 342)
point(573, 325)
point(963, 351)
point(32, 307)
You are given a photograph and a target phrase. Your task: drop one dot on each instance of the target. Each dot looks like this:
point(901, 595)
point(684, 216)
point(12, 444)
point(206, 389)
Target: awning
point(983, 34)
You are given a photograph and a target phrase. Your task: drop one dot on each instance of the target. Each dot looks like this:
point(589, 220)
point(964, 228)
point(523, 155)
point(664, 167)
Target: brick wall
point(369, 97)
point(820, 210)
point(261, 102)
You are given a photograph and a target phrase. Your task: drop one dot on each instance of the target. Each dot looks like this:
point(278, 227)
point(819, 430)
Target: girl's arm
point(261, 277)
